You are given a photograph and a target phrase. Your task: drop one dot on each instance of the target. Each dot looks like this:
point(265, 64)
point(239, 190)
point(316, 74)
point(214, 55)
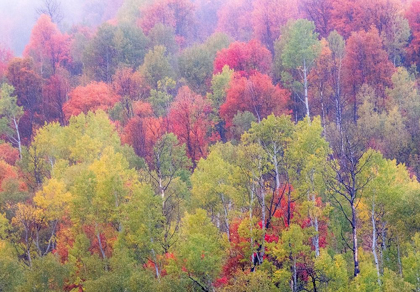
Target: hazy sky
point(17, 18)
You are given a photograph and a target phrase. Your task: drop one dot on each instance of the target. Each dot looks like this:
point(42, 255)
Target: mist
point(19, 16)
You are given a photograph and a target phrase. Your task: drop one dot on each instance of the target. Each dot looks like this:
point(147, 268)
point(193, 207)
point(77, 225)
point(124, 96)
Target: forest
point(225, 145)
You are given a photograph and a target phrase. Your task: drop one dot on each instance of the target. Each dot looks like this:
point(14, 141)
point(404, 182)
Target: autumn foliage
point(188, 120)
point(255, 94)
point(94, 96)
point(245, 58)
point(48, 46)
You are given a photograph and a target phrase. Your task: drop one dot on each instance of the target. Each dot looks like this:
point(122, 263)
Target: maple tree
point(188, 120)
point(178, 14)
point(366, 62)
point(238, 145)
point(48, 47)
point(96, 95)
point(28, 88)
point(244, 57)
point(255, 94)
point(269, 16)
point(233, 19)
point(411, 14)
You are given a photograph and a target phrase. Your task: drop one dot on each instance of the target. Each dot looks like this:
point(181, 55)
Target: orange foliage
point(7, 172)
point(48, 46)
point(95, 96)
point(366, 62)
point(142, 132)
point(9, 154)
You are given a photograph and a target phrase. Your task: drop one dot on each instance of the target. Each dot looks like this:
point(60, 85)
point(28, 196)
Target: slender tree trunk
point(18, 137)
point(226, 217)
point(315, 239)
point(251, 228)
point(375, 256)
point(305, 84)
point(399, 257)
point(355, 244)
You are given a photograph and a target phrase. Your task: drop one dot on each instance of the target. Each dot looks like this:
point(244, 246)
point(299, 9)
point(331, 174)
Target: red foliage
point(95, 96)
point(268, 16)
point(27, 84)
point(353, 15)
point(234, 19)
point(319, 11)
point(5, 56)
point(127, 82)
point(366, 62)
point(178, 14)
point(48, 46)
point(255, 94)
point(236, 253)
point(65, 239)
point(246, 58)
point(142, 132)
point(55, 93)
point(107, 236)
point(413, 16)
point(7, 172)
point(188, 118)
point(9, 154)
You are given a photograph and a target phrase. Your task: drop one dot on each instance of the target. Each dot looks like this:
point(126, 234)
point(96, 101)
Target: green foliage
point(156, 66)
point(200, 257)
point(161, 98)
point(46, 274)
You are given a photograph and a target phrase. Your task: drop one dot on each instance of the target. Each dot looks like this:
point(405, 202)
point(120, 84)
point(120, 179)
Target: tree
point(196, 66)
point(395, 37)
point(298, 49)
point(28, 88)
point(214, 189)
point(156, 66)
point(188, 120)
point(411, 14)
point(347, 180)
point(48, 46)
point(353, 16)
point(162, 97)
point(366, 62)
point(53, 9)
point(255, 94)
point(89, 98)
point(200, 259)
point(55, 94)
point(268, 17)
point(113, 46)
point(245, 58)
point(234, 19)
point(5, 56)
point(219, 85)
point(178, 14)
point(319, 11)
point(337, 45)
point(10, 114)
